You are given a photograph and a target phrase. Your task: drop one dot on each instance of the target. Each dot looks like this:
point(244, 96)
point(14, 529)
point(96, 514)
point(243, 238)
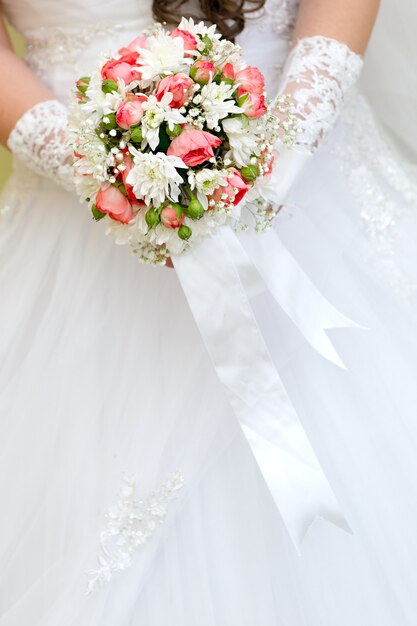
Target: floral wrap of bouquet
point(172, 136)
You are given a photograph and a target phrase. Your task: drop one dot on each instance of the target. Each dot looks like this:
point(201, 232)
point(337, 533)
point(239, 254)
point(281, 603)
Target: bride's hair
point(229, 15)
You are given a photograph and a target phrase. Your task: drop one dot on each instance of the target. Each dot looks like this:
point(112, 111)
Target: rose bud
point(250, 173)
point(184, 232)
point(195, 209)
point(121, 68)
point(190, 42)
point(172, 215)
point(82, 84)
point(176, 130)
point(130, 112)
point(108, 86)
point(152, 218)
point(228, 72)
point(136, 134)
point(115, 204)
point(252, 104)
point(128, 56)
point(194, 146)
point(202, 72)
point(109, 121)
point(235, 189)
point(179, 85)
point(250, 80)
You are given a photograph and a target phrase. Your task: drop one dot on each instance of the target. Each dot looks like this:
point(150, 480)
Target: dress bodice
point(65, 39)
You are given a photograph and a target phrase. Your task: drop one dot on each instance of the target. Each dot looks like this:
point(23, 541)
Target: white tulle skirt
point(104, 378)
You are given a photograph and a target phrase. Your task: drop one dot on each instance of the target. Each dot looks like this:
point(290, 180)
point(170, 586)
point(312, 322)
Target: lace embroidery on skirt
point(375, 176)
point(130, 524)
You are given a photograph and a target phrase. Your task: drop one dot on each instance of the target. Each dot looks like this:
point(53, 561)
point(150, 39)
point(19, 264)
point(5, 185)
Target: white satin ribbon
point(291, 287)
point(211, 277)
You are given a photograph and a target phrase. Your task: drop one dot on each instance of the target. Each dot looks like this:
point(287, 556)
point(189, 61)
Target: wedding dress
point(129, 492)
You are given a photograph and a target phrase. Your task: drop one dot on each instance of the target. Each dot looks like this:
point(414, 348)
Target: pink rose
point(130, 112)
point(250, 80)
point(194, 146)
point(202, 71)
point(115, 204)
point(190, 42)
point(252, 104)
point(179, 85)
point(172, 217)
point(236, 189)
point(228, 71)
point(122, 68)
point(138, 42)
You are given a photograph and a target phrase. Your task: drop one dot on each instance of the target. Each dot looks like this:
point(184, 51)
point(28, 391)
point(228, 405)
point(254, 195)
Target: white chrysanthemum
point(99, 103)
point(87, 187)
point(218, 103)
point(206, 181)
point(92, 168)
point(198, 29)
point(154, 177)
point(242, 139)
point(163, 55)
point(156, 112)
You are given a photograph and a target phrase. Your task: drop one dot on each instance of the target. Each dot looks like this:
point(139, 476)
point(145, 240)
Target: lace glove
point(317, 75)
point(40, 141)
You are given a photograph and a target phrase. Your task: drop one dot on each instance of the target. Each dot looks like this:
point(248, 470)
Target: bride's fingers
point(169, 263)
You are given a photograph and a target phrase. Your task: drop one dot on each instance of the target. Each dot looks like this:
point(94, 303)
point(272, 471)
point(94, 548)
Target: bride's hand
point(323, 64)
point(325, 61)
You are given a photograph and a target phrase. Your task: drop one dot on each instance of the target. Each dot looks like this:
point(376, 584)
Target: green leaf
point(242, 99)
point(97, 215)
point(120, 186)
point(208, 44)
point(164, 140)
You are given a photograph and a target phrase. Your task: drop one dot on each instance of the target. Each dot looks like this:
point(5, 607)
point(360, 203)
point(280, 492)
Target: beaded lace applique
point(63, 48)
point(280, 15)
point(130, 524)
point(382, 187)
point(39, 142)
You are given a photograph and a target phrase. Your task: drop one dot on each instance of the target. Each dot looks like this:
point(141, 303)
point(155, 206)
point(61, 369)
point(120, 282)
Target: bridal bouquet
point(170, 135)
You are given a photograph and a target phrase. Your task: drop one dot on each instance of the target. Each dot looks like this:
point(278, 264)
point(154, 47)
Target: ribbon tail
point(287, 479)
point(292, 289)
point(222, 310)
